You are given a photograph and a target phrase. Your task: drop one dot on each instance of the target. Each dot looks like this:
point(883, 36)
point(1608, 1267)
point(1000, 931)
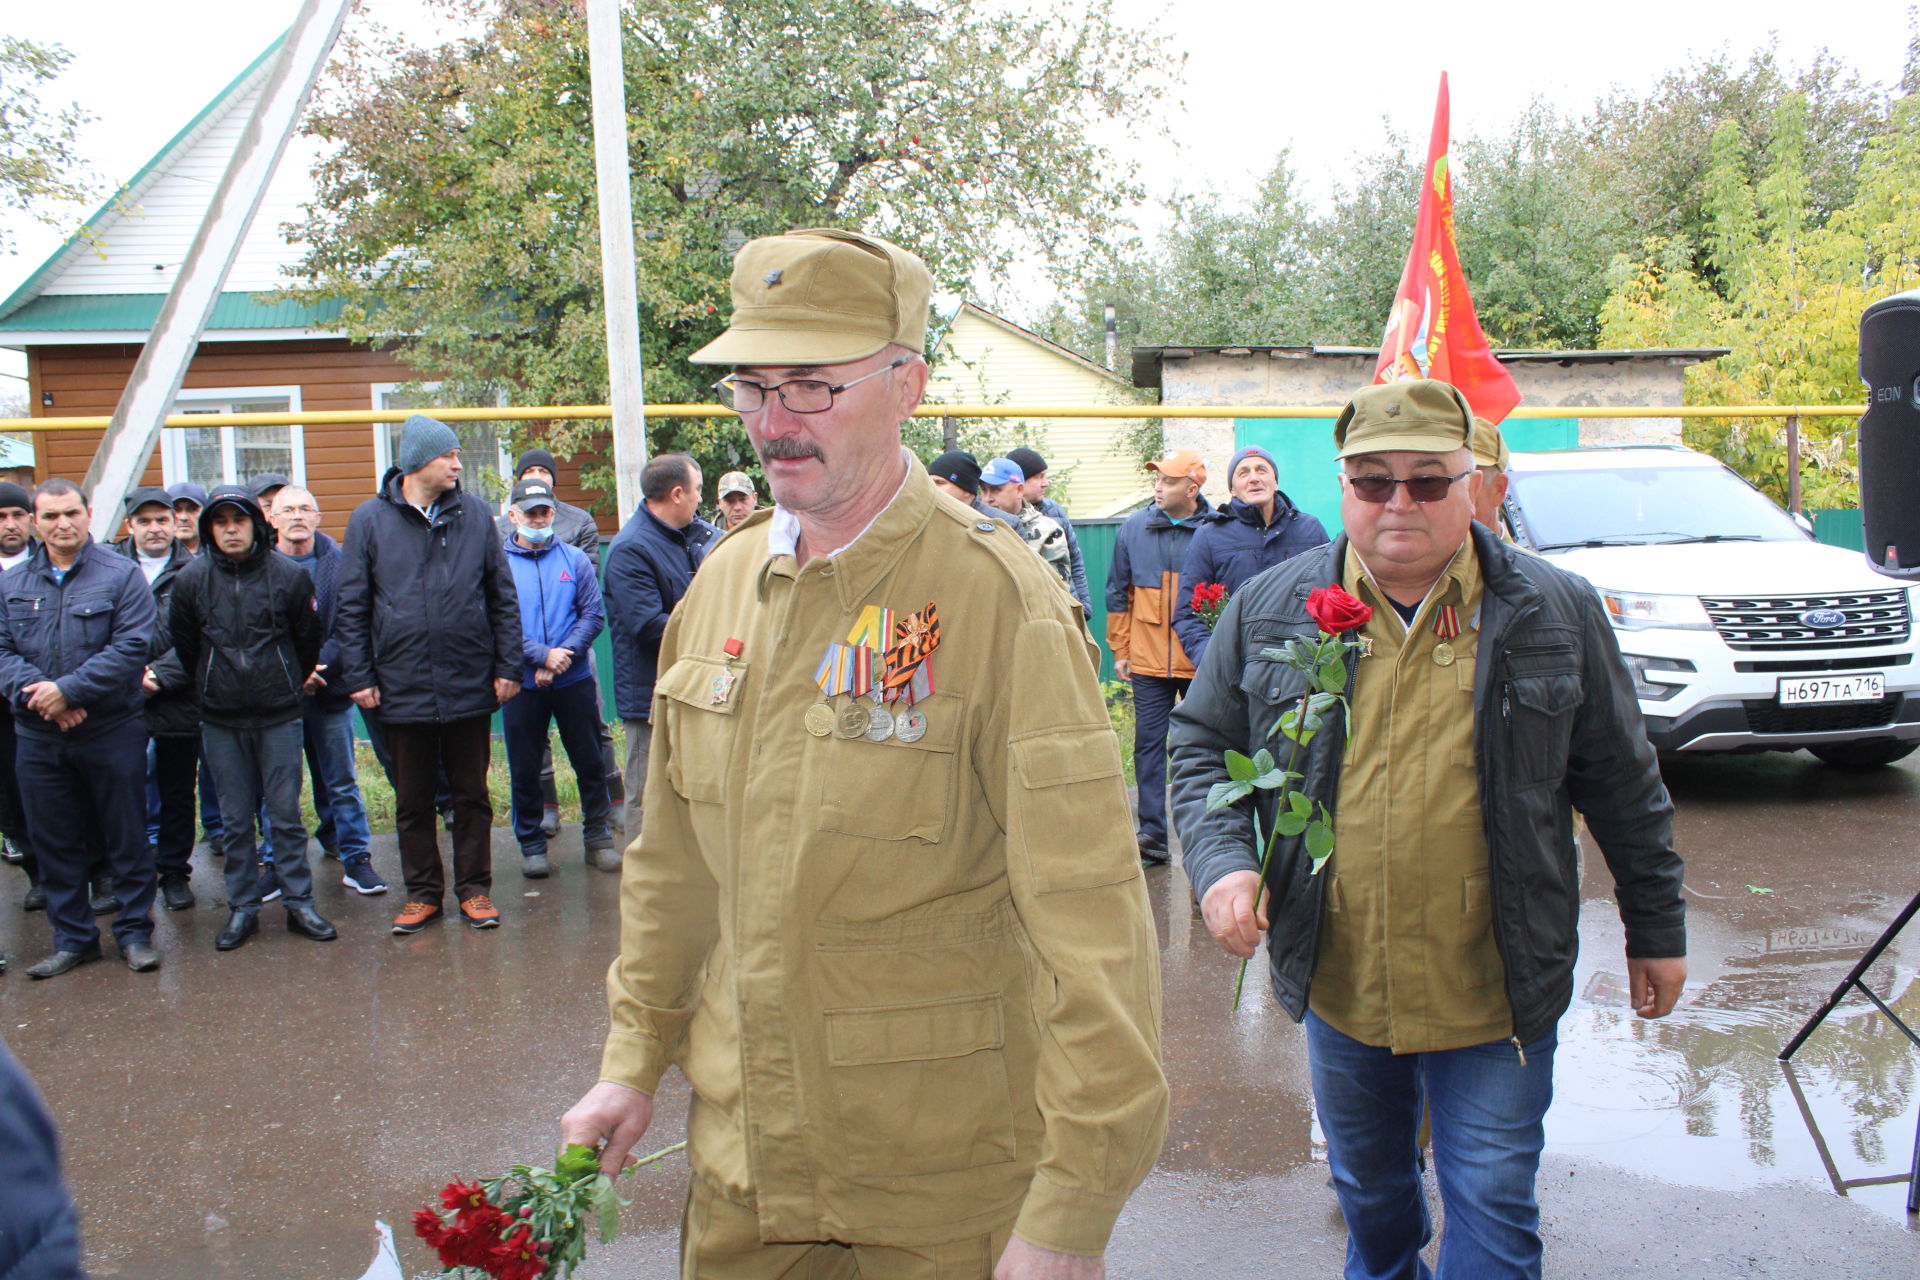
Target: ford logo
point(1823, 619)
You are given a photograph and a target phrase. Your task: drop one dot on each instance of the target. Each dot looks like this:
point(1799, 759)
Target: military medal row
point(874, 722)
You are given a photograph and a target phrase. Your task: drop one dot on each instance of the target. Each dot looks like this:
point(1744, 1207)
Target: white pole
point(620, 297)
point(129, 440)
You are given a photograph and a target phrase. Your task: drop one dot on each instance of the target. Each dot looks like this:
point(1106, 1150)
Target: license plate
point(1869, 687)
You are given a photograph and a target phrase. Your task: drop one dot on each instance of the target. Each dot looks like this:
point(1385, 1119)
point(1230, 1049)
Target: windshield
point(1627, 505)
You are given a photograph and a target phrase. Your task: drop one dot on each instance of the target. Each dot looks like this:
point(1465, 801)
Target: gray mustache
point(788, 449)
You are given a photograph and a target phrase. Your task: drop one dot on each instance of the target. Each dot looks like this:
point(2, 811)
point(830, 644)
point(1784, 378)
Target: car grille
point(1759, 623)
point(1771, 717)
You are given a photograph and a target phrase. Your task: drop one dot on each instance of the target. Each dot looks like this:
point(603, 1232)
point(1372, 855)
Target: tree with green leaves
point(456, 219)
point(41, 174)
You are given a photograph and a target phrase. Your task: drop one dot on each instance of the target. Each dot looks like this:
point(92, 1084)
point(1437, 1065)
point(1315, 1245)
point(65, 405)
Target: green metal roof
point(91, 312)
point(46, 271)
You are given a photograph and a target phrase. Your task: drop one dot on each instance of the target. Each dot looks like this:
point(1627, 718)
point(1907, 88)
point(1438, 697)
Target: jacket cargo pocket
point(921, 1088)
point(696, 700)
point(1479, 964)
point(1071, 825)
point(91, 620)
point(1543, 707)
point(894, 790)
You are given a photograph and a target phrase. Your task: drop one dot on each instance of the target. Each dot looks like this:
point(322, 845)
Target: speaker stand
point(1852, 982)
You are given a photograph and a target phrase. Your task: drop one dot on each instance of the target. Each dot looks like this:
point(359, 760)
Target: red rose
point(1336, 610)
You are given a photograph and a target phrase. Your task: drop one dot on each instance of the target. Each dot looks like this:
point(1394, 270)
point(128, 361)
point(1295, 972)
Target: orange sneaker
point(415, 916)
point(479, 912)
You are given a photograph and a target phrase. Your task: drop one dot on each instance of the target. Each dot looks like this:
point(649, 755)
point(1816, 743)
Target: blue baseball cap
point(1002, 471)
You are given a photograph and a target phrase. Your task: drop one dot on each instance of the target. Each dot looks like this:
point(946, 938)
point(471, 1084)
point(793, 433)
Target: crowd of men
point(192, 671)
point(886, 911)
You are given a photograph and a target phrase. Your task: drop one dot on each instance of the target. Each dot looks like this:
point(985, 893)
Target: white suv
point(1742, 632)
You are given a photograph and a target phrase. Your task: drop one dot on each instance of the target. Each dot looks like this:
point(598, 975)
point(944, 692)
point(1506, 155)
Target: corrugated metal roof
point(1146, 360)
point(137, 312)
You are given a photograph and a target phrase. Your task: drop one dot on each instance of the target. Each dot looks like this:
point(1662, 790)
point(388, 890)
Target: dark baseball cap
point(260, 484)
point(187, 491)
point(148, 495)
point(957, 466)
point(529, 494)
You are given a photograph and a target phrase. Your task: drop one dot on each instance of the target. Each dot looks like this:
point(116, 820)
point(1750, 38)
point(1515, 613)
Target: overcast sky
point(1319, 79)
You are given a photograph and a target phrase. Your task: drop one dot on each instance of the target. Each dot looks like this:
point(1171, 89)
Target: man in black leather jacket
point(1433, 956)
point(243, 623)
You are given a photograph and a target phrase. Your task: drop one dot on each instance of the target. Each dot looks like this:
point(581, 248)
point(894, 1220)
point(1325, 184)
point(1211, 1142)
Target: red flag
point(1432, 331)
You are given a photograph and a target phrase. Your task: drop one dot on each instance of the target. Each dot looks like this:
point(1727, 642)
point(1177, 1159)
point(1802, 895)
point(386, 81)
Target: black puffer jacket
point(1556, 727)
point(246, 628)
point(174, 712)
point(428, 613)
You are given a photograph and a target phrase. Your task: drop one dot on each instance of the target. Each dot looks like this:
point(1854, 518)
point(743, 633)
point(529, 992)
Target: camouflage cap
point(1412, 415)
point(821, 296)
point(1489, 446)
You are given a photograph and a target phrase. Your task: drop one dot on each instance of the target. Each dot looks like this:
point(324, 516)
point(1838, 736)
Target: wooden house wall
point(332, 374)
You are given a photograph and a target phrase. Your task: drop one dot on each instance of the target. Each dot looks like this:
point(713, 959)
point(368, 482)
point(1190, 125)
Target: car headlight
point(1652, 690)
point(1630, 611)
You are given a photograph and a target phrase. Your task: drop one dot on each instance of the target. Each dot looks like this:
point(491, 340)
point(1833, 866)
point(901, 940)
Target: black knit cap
point(957, 466)
point(1029, 461)
point(536, 458)
point(12, 495)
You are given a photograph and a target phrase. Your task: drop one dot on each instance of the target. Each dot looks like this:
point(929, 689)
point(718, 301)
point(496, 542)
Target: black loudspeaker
point(1890, 433)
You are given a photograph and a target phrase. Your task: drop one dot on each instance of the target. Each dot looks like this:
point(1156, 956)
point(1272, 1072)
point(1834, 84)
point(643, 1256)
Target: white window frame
point(383, 446)
point(173, 445)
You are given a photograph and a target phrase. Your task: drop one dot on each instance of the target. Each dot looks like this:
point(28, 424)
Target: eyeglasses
point(300, 511)
point(1419, 488)
point(799, 395)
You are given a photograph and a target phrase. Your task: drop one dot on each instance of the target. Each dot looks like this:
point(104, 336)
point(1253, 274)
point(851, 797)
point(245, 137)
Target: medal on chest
point(885, 659)
point(720, 692)
point(1446, 626)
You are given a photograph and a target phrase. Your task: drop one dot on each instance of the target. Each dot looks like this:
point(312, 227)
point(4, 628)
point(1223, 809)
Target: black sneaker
point(1153, 854)
point(36, 899)
point(358, 875)
point(269, 883)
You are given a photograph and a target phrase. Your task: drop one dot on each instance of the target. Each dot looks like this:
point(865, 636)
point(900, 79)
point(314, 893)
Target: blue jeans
point(252, 766)
point(336, 787)
point(1153, 699)
point(1487, 1111)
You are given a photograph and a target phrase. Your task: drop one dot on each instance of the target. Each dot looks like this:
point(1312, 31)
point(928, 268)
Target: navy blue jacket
point(649, 565)
point(559, 606)
point(325, 571)
point(39, 1232)
point(1230, 547)
point(90, 635)
point(174, 712)
point(427, 611)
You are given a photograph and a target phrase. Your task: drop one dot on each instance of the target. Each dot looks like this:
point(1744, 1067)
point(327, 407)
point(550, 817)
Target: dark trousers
point(420, 753)
point(1153, 699)
point(575, 709)
point(82, 799)
point(609, 763)
point(13, 814)
point(377, 739)
point(176, 767)
point(259, 768)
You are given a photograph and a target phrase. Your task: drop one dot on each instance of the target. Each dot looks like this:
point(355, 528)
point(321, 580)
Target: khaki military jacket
point(913, 984)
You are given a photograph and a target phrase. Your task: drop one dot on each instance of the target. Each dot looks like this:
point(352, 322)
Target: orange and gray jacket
point(1143, 586)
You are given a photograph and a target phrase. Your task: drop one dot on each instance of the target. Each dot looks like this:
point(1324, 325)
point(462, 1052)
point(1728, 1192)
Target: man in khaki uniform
point(885, 912)
point(1432, 957)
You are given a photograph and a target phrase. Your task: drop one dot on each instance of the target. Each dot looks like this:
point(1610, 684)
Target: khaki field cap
point(1489, 446)
point(1413, 415)
point(821, 296)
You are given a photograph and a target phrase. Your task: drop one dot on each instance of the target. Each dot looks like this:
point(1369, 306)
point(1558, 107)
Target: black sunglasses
point(1419, 488)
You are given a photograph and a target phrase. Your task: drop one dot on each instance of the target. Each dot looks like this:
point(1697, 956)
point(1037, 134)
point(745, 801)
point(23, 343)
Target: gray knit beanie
point(422, 439)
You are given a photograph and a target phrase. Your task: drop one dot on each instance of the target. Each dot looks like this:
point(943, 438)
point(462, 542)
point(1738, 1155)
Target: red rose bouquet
point(1324, 662)
point(1209, 601)
point(529, 1224)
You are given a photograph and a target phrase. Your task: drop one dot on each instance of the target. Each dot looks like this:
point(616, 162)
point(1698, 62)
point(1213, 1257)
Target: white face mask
point(536, 536)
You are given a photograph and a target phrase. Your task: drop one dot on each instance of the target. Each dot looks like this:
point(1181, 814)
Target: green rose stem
point(1324, 663)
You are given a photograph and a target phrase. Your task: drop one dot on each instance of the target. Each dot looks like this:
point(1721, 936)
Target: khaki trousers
point(720, 1240)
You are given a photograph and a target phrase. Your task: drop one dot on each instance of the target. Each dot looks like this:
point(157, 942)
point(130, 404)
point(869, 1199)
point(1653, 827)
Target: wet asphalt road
point(251, 1114)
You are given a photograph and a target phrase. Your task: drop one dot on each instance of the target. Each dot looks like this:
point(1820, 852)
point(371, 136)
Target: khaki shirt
point(1407, 957)
point(914, 985)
